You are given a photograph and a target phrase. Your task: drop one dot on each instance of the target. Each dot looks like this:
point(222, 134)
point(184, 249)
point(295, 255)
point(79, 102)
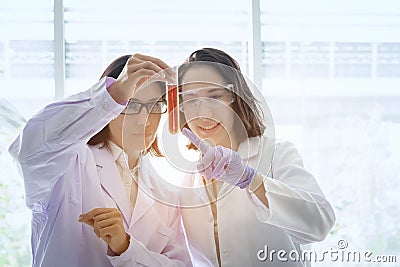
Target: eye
point(133, 105)
point(216, 96)
point(189, 98)
point(159, 103)
point(191, 101)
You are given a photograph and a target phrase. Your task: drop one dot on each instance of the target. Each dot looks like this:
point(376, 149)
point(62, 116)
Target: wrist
point(248, 177)
point(109, 81)
point(256, 182)
point(112, 90)
point(123, 246)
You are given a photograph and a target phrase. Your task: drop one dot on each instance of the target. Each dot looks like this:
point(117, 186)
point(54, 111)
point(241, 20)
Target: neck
point(133, 157)
point(133, 154)
point(235, 145)
point(231, 143)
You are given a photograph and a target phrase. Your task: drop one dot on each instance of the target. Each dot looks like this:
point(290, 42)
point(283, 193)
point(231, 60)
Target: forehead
point(202, 74)
point(149, 91)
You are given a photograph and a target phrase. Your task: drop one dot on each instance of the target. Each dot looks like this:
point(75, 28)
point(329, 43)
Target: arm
point(53, 136)
point(292, 200)
point(295, 200)
point(256, 187)
point(71, 122)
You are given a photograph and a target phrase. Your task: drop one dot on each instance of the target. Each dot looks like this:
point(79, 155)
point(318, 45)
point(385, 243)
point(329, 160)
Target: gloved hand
point(221, 163)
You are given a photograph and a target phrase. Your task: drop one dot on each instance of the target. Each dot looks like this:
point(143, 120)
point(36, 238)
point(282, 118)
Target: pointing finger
point(199, 144)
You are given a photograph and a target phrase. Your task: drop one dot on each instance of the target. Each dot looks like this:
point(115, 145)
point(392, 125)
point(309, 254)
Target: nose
point(205, 110)
point(142, 118)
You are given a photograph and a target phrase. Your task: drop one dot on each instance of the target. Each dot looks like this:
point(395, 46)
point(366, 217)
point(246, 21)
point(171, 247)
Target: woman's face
point(206, 105)
point(137, 131)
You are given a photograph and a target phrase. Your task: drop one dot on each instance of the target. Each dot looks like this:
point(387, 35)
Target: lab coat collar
point(145, 198)
point(249, 147)
point(110, 180)
point(115, 150)
point(118, 152)
point(144, 202)
point(201, 191)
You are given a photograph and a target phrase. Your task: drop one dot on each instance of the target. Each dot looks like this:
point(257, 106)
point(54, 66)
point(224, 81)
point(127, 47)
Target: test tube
point(172, 108)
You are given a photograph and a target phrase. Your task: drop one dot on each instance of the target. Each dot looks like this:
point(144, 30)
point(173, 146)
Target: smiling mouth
point(209, 127)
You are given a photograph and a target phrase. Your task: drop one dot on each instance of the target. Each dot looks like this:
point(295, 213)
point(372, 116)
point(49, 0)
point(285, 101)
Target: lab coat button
point(212, 259)
point(210, 219)
point(105, 105)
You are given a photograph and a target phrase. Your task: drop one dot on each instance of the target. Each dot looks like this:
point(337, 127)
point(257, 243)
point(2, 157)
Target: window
point(97, 33)
point(330, 73)
point(26, 84)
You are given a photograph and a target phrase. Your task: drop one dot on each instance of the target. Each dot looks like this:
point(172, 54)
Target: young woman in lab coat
point(78, 172)
point(252, 196)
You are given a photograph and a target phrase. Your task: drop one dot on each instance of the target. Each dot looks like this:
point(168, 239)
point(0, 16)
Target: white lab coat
point(298, 212)
point(64, 177)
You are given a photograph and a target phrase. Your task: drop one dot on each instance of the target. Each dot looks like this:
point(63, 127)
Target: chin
point(135, 146)
point(217, 142)
point(149, 143)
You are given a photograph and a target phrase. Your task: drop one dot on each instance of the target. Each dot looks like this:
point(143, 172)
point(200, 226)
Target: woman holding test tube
point(82, 162)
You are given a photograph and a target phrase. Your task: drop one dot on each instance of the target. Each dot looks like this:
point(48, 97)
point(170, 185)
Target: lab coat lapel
point(192, 193)
point(111, 182)
point(200, 190)
point(144, 203)
point(145, 197)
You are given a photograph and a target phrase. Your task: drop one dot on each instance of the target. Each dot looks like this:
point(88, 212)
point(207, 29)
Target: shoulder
point(101, 155)
point(282, 150)
point(265, 147)
point(277, 145)
point(98, 149)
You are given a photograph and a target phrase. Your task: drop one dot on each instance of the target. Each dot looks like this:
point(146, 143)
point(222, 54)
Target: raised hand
point(138, 69)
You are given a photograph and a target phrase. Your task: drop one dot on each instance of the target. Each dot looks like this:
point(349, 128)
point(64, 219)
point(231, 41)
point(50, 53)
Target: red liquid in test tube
point(172, 108)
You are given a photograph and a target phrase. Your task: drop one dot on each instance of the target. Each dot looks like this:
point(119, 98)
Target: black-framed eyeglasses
point(134, 107)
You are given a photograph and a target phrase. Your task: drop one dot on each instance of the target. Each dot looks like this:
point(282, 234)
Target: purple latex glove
point(221, 163)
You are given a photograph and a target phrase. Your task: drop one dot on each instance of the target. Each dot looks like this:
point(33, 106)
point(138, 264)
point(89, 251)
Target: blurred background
point(330, 71)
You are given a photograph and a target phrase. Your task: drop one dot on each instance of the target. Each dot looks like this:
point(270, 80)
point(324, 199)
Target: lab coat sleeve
point(53, 136)
point(296, 202)
point(175, 254)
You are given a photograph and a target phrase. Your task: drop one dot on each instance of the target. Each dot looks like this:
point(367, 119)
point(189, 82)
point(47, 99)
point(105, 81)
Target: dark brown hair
point(246, 106)
point(103, 137)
